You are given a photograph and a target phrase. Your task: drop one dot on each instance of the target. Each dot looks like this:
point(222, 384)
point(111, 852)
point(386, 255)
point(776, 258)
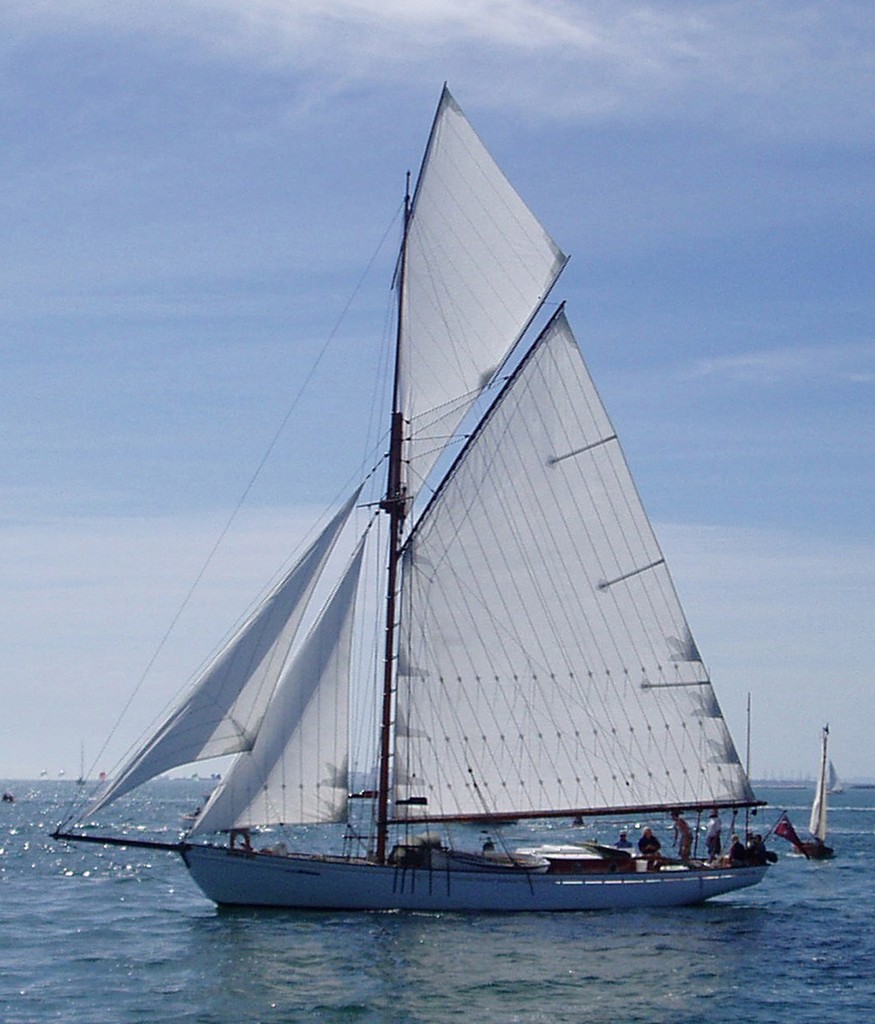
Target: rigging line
point(383, 378)
point(246, 491)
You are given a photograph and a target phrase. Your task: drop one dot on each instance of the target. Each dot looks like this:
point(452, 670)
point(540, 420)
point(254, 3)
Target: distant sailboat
point(81, 780)
point(536, 661)
point(835, 784)
point(816, 847)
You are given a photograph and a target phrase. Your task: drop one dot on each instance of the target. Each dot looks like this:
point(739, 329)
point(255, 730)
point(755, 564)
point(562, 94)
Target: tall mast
point(394, 504)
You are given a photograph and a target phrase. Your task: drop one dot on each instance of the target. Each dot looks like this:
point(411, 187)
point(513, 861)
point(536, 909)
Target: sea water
point(114, 936)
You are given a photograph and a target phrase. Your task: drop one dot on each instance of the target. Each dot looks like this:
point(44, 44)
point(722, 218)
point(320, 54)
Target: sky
point(199, 213)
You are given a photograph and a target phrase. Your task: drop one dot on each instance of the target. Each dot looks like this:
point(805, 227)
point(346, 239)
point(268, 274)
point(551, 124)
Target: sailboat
point(536, 662)
point(834, 783)
point(816, 848)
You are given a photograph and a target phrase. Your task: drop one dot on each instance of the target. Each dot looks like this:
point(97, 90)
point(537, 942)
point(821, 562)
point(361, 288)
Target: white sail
point(545, 662)
point(835, 783)
point(478, 265)
point(223, 711)
point(297, 769)
point(817, 822)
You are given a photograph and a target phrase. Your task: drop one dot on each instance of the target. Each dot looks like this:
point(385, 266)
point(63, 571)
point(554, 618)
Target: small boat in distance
point(533, 660)
point(816, 848)
point(835, 784)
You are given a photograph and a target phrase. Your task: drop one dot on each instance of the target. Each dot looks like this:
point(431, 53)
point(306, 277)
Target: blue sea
point(111, 936)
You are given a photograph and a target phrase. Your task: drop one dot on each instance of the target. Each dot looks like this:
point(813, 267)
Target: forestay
point(478, 265)
point(545, 663)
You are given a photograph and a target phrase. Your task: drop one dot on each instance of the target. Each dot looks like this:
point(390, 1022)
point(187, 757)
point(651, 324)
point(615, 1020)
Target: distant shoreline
point(804, 784)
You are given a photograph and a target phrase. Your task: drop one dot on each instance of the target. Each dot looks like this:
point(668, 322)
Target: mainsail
point(545, 663)
point(224, 709)
point(478, 265)
point(297, 769)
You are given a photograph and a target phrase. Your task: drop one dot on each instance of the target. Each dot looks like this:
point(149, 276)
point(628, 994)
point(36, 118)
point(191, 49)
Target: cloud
point(782, 67)
point(822, 364)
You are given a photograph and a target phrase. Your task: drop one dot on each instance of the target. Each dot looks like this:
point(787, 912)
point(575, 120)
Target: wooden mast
point(395, 504)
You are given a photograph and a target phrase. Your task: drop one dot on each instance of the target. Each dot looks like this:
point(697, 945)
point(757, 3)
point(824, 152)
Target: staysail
point(545, 664)
point(297, 769)
point(223, 711)
point(478, 265)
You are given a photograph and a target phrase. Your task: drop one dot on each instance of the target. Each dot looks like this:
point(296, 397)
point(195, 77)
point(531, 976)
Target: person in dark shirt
point(756, 850)
point(648, 844)
point(737, 852)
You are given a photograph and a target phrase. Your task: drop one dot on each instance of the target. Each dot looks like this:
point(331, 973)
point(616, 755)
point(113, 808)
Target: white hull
point(235, 878)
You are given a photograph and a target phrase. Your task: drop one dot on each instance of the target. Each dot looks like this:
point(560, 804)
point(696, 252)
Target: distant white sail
point(545, 662)
point(223, 711)
point(478, 266)
point(835, 784)
point(297, 769)
point(817, 823)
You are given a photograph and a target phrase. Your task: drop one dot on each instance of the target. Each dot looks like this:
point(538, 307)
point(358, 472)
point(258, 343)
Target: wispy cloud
point(793, 65)
point(843, 363)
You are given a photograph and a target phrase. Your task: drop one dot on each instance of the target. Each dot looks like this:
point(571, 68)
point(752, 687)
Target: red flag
point(785, 830)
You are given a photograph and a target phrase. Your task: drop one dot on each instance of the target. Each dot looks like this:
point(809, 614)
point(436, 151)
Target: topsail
point(478, 266)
